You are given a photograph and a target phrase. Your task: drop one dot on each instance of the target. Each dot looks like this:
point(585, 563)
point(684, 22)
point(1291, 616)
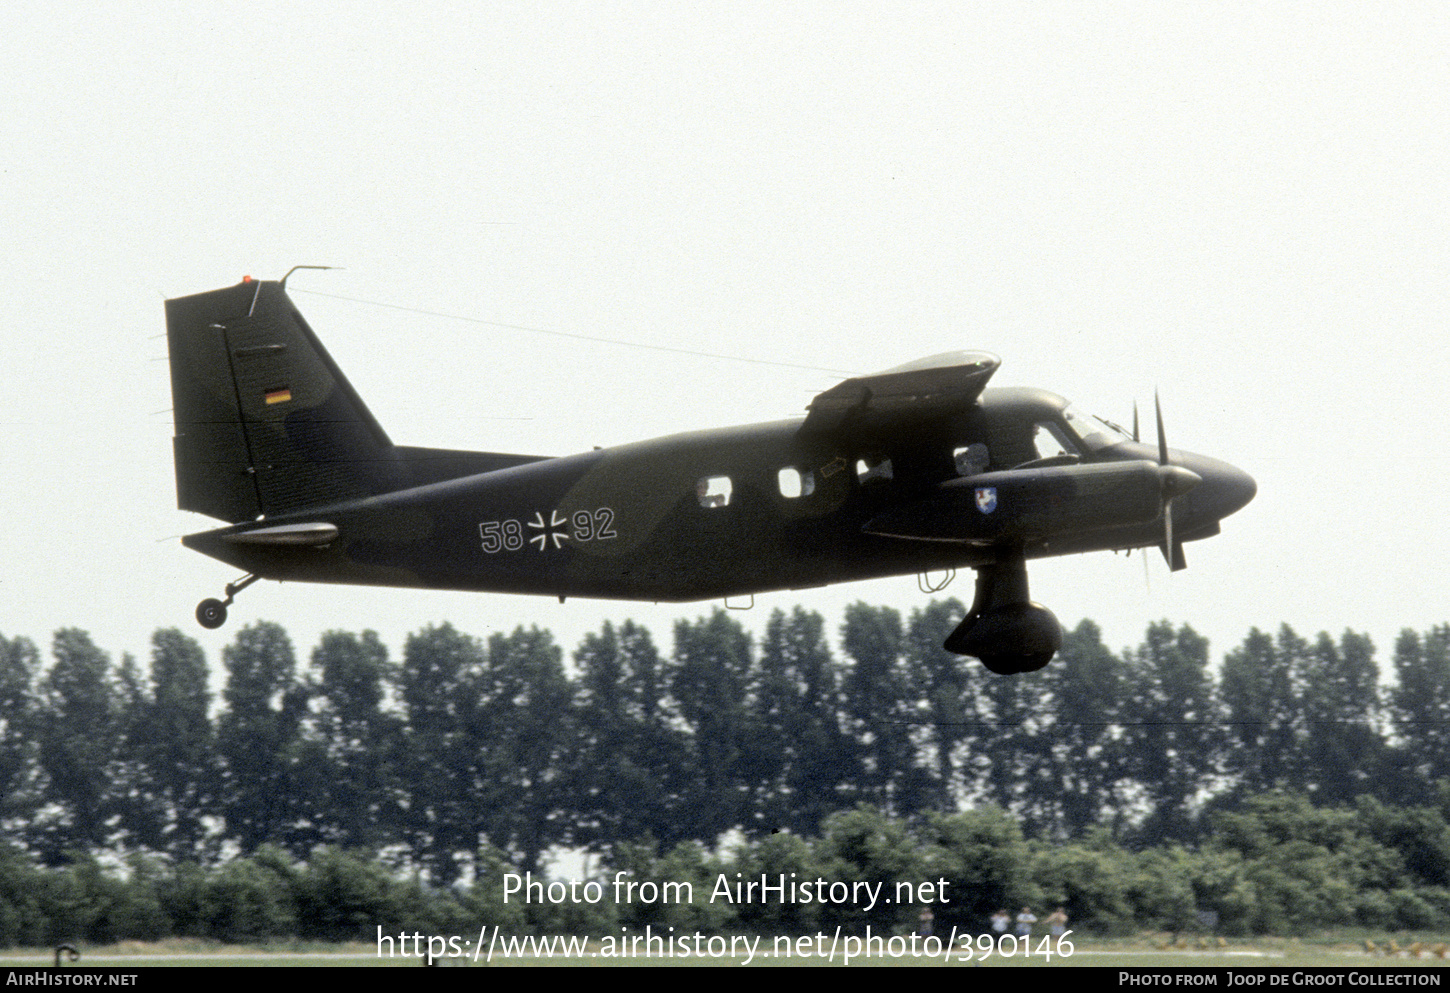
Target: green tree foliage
point(866, 845)
point(245, 899)
point(1262, 681)
point(345, 896)
point(80, 737)
point(805, 764)
point(1279, 866)
point(663, 882)
point(776, 858)
point(1420, 702)
point(520, 732)
point(1052, 748)
point(1161, 886)
point(177, 747)
point(1092, 882)
point(357, 740)
point(710, 681)
point(628, 762)
point(1342, 749)
point(484, 900)
point(1089, 686)
point(19, 713)
point(265, 781)
point(1306, 867)
point(466, 761)
point(441, 796)
point(1172, 744)
point(1014, 761)
point(1420, 834)
point(24, 917)
point(106, 909)
point(950, 729)
point(135, 810)
point(881, 711)
point(983, 857)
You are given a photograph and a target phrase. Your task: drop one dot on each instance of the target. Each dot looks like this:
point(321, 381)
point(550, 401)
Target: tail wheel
point(211, 613)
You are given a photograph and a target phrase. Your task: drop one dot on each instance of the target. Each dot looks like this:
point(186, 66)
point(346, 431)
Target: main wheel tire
point(1002, 665)
point(1011, 665)
point(211, 613)
point(1031, 663)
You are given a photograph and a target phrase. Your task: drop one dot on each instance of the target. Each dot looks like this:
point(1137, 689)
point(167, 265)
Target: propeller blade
point(1176, 480)
point(1166, 547)
point(1162, 438)
point(1135, 420)
point(1172, 550)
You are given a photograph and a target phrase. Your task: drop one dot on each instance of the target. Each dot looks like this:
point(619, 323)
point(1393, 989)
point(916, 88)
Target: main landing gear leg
point(1006, 630)
point(211, 613)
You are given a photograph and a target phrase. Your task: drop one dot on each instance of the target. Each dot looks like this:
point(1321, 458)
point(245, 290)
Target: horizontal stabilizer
point(307, 535)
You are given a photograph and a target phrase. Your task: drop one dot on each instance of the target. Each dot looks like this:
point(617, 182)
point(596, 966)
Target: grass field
point(1146, 951)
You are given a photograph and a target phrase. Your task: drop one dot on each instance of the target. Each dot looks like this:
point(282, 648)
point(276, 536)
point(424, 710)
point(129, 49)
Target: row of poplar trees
point(465, 741)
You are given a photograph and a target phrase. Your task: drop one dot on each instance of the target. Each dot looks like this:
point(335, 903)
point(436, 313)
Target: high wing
point(926, 390)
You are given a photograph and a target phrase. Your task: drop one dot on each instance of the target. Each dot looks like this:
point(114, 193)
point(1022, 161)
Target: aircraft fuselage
point(630, 522)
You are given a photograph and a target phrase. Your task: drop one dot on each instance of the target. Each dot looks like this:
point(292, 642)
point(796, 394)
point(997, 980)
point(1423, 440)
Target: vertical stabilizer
point(265, 421)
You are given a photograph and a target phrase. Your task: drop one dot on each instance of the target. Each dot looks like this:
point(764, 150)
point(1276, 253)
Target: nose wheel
point(211, 613)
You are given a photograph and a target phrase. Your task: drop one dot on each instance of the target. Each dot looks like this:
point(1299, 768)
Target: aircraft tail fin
point(266, 423)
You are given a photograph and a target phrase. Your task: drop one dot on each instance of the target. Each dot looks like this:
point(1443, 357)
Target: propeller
point(1175, 481)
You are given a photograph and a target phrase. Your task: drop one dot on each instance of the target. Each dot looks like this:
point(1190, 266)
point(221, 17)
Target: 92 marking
point(598, 526)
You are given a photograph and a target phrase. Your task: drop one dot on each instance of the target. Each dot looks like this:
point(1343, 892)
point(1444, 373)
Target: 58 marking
point(499, 536)
point(583, 525)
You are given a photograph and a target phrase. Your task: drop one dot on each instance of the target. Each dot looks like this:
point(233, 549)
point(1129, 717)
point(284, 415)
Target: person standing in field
point(1025, 920)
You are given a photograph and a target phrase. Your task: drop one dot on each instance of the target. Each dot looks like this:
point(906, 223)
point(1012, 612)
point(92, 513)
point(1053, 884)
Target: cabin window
point(794, 483)
point(873, 469)
point(972, 459)
point(713, 491)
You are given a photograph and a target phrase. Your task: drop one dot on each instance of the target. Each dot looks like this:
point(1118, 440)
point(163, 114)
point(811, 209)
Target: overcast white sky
point(1242, 205)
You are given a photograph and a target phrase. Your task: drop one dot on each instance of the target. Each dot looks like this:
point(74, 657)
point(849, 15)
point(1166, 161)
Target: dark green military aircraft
point(918, 469)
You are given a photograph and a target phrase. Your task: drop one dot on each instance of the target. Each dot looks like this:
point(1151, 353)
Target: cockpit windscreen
point(1093, 432)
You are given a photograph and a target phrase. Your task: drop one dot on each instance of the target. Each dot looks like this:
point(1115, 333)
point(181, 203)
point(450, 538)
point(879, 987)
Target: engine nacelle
point(1016, 506)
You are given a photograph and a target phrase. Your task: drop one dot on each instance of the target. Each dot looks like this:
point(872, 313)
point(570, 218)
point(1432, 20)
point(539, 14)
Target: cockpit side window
point(972, 459)
point(873, 470)
point(1051, 440)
